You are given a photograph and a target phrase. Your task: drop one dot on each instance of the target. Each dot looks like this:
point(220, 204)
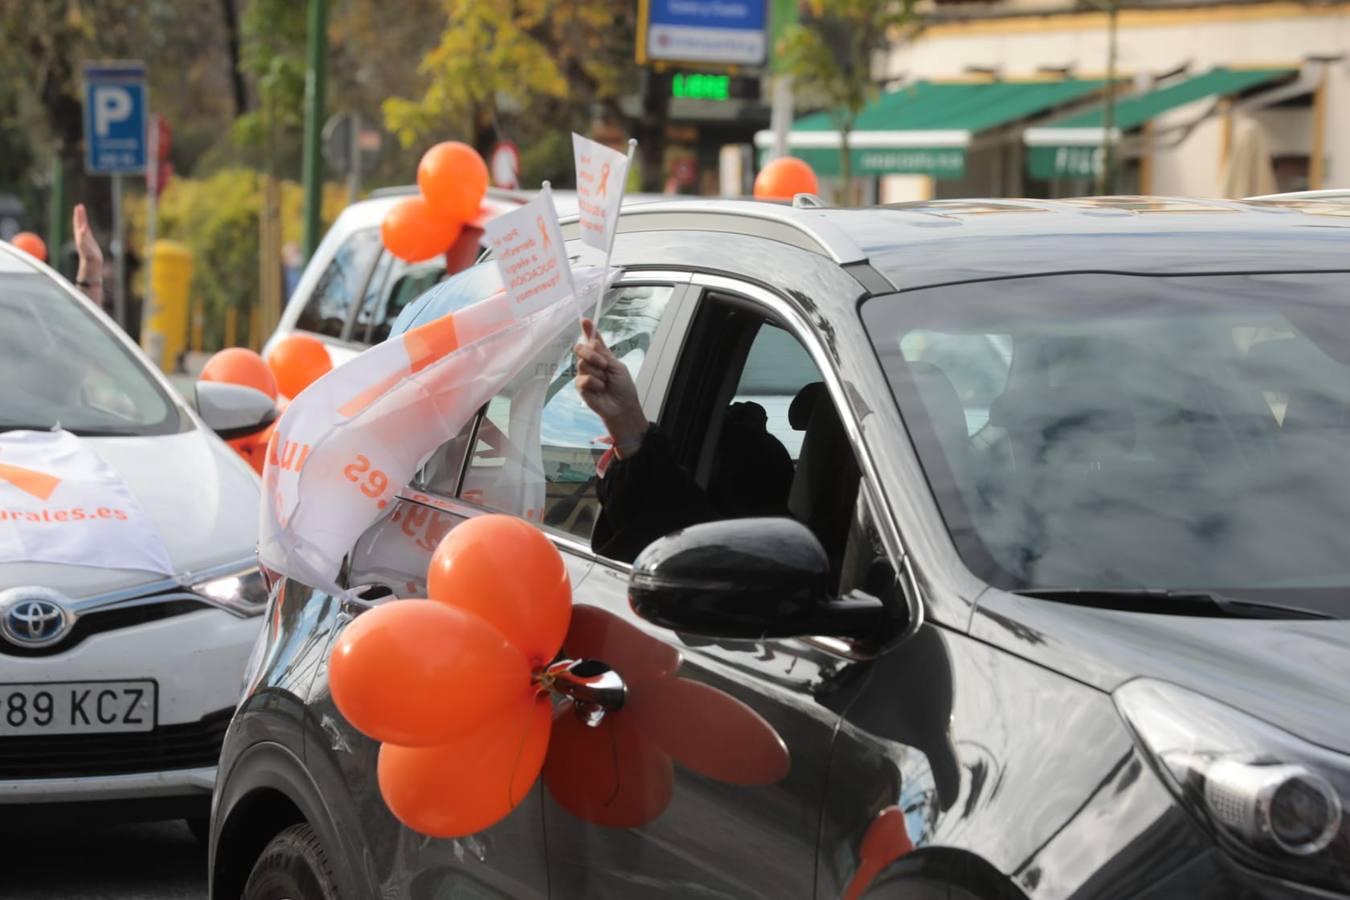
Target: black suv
point(1057, 606)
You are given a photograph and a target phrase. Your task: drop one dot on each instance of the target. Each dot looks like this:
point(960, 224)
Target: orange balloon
point(240, 365)
point(413, 231)
point(885, 841)
point(454, 180)
point(298, 361)
point(254, 447)
point(244, 447)
point(608, 775)
point(31, 244)
point(472, 782)
point(505, 570)
point(419, 674)
point(785, 178)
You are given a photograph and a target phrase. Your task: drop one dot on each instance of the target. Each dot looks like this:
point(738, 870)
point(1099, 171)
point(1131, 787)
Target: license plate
point(78, 707)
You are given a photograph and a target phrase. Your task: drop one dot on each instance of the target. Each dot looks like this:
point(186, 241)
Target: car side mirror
point(232, 410)
point(746, 579)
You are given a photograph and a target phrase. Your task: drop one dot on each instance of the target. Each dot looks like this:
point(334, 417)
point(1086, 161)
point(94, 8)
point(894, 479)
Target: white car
point(352, 289)
point(117, 684)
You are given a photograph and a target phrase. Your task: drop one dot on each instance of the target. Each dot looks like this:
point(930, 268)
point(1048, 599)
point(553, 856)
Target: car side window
point(402, 283)
point(371, 303)
point(537, 443)
point(776, 369)
point(340, 285)
point(762, 433)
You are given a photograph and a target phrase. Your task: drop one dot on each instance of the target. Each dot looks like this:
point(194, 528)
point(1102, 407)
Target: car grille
point(110, 619)
point(192, 745)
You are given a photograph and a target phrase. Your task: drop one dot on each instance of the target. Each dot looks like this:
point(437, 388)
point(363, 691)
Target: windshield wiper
point(1172, 602)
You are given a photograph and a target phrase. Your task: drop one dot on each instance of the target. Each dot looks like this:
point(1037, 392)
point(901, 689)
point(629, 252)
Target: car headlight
point(244, 593)
point(1272, 800)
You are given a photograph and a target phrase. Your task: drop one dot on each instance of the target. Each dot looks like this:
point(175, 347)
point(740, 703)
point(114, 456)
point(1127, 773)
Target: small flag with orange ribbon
point(601, 174)
point(528, 247)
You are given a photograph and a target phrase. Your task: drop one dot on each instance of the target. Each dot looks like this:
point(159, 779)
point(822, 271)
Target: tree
point(273, 53)
point(46, 45)
point(830, 54)
point(519, 68)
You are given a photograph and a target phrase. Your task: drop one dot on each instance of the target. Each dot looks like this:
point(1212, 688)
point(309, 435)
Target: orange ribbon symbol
point(38, 484)
point(604, 181)
point(543, 233)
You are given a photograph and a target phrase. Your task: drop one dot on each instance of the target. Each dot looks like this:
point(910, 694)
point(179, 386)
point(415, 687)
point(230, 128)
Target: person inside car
point(644, 492)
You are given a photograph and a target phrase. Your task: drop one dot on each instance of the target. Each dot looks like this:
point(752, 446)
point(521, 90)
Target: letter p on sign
point(112, 104)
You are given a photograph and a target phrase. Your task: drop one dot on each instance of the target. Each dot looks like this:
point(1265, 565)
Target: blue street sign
point(114, 118)
point(729, 32)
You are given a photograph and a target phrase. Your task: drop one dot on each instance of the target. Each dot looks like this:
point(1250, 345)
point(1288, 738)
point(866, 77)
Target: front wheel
point(292, 867)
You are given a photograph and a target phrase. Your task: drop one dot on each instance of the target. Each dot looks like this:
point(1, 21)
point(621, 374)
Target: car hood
point(1290, 672)
point(197, 492)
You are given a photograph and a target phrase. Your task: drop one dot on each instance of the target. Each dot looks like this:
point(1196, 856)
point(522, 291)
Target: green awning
point(1071, 147)
point(924, 128)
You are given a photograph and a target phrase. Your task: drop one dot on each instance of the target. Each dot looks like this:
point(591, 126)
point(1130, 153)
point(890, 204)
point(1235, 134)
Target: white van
point(353, 289)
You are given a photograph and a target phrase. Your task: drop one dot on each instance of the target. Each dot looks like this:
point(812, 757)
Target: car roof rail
point(809, 228)
point(1328, 194)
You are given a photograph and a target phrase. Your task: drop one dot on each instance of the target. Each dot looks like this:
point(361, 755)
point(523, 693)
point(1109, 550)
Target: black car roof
point(942, 241)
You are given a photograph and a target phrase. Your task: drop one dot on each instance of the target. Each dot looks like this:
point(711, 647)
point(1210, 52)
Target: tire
point(292, 867)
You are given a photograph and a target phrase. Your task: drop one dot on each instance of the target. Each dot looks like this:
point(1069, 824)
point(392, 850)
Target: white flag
point(61, 503)
point(528, 246)
point(601, 175)
point(354, 439)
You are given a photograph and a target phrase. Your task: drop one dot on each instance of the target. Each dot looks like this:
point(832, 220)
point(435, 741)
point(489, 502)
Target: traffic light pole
point(316, 65)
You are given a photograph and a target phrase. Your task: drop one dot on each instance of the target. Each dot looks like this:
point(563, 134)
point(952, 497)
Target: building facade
point(1207, 100)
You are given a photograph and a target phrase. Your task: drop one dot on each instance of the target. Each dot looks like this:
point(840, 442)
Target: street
point(156, 861)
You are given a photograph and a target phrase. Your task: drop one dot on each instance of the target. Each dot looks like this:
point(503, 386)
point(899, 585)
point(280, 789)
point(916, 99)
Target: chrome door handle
point(593, 687)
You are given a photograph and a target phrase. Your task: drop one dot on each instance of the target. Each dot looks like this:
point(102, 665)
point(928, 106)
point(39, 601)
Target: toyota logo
point(34, 617)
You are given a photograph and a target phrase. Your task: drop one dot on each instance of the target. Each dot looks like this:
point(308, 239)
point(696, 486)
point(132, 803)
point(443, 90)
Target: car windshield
point(60, 366)
point(1095, 431)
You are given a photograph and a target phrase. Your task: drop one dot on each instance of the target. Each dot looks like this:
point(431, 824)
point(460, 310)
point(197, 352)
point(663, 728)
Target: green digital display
point(700, 86)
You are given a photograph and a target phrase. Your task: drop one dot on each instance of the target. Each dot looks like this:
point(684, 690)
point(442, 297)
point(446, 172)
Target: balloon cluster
point(458, 689)
point(453, 180)
point(785, 178)
point(296, 362)
point(451, 686)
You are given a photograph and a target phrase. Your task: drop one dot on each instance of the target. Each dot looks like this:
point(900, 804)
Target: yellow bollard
point(166, 330)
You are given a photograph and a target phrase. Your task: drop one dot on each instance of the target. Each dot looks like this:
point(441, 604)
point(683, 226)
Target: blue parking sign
point(114, 118)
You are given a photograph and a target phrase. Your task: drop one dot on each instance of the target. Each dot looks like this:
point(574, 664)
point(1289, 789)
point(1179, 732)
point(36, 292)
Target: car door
point(711, 780)
point(473, 475)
